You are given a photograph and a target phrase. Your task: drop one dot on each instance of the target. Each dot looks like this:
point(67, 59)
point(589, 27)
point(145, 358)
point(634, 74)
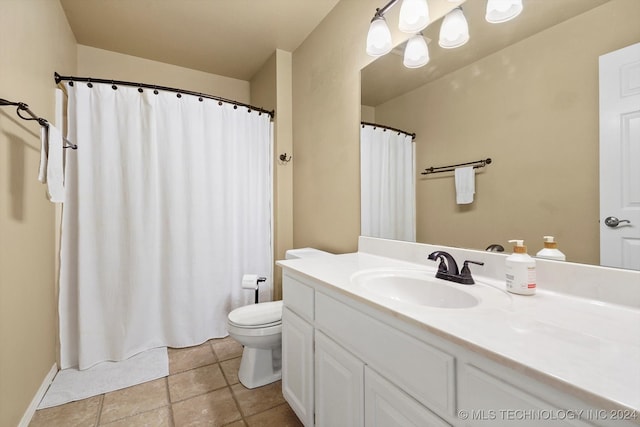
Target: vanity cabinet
point(349, 363)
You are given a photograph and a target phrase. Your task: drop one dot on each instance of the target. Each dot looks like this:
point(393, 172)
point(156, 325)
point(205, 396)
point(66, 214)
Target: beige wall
point(271, 89)
point(326, 117)
point(35, 41)
point(532, 108)
point(104, 64)
point(368, 114)
point(283, 171)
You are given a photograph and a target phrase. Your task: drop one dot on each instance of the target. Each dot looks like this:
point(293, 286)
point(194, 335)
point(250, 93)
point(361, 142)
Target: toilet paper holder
point(252, 281)
point(260, 280)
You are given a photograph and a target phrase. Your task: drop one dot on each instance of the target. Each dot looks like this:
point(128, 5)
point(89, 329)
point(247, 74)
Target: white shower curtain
point(168, 204)
point(387, 184)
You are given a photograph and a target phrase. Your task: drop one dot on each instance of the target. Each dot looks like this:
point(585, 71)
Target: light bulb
point(414, 16)
point(379, 37)
point(454, 31)
point(502, 10)
point(416, 54)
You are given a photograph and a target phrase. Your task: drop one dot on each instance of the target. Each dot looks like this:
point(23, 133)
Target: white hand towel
point(44, 148)
point(55, 165)
point(465, 185)
point(250, 281)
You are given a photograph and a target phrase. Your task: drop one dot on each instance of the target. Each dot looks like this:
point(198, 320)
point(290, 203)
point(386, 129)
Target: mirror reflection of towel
point(465, 185)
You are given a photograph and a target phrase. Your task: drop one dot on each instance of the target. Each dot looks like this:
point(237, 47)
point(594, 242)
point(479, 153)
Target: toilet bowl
point(258, 327)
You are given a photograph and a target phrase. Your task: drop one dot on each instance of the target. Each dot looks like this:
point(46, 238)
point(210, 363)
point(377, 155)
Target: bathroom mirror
point(524, 93)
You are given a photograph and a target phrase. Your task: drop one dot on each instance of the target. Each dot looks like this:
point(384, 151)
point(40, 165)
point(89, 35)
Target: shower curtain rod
point(21, 106)
point(375, 125)
point(58, 78)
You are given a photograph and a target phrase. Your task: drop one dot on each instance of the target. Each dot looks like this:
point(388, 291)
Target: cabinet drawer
point(421, 370)
point(298, 297)
point(491, 401)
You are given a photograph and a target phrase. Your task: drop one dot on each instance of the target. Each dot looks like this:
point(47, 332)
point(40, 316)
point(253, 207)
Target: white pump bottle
point(520, 270)
point(550, 250)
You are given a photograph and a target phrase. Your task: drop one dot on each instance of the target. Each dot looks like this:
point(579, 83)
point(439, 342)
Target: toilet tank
point(304, 253)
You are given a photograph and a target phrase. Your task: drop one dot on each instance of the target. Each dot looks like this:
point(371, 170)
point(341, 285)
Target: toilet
point(258, 327)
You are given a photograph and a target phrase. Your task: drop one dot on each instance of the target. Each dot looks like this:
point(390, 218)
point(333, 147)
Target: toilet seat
point(256, 331)
point(262, 315)
point(256, 320)
point(266, 325)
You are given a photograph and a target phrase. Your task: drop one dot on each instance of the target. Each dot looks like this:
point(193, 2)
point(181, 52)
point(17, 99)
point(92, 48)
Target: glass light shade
point(502, 10)
point(414, 16)
point(416, 54)
point(454, 31)
point(379, 37)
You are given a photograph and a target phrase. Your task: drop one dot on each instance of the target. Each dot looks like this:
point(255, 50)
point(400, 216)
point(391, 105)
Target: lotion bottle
point(520, 270)
point(550, 250)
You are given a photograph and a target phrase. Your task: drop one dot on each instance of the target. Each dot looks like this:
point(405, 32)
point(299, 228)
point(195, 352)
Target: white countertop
point(588, 348)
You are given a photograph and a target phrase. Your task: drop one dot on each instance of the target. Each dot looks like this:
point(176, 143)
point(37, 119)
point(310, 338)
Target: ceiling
point(231, 38)
point(386, 77)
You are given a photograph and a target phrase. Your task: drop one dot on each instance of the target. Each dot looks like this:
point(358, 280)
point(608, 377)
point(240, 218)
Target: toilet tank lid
point(257, 314)
point(304, 253)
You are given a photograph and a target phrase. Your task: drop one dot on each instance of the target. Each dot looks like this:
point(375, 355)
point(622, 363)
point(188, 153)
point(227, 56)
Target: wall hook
point(284, 158)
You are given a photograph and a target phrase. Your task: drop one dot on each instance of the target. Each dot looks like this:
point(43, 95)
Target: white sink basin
point(421, 288)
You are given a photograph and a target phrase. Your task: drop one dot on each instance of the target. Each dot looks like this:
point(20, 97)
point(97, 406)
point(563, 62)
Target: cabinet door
point(488, 400)
point(388, 406)
point(297, 365)
point(339, 380)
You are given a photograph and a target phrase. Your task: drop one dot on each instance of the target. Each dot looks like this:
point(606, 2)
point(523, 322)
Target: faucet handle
point(465, 268)
point(466, 273)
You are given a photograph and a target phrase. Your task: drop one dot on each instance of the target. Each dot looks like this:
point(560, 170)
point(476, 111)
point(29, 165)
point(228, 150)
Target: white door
point(339, 385)
point(297, 365)
point(620, 158)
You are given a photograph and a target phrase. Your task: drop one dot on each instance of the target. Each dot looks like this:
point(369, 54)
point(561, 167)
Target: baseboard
point(48, 379)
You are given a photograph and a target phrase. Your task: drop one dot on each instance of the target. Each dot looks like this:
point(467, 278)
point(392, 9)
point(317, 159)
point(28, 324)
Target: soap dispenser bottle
point(520, 270)
point(550, 250)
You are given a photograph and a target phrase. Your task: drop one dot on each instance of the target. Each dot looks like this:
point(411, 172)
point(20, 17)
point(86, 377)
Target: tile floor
point(202, 389)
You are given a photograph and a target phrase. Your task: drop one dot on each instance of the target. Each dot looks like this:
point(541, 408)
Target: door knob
point(613, 222)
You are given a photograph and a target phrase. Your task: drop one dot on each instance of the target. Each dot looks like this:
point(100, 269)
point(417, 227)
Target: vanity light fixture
point(416, 54)
point(414, 17)
point(502, 10)
point(454, 31)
